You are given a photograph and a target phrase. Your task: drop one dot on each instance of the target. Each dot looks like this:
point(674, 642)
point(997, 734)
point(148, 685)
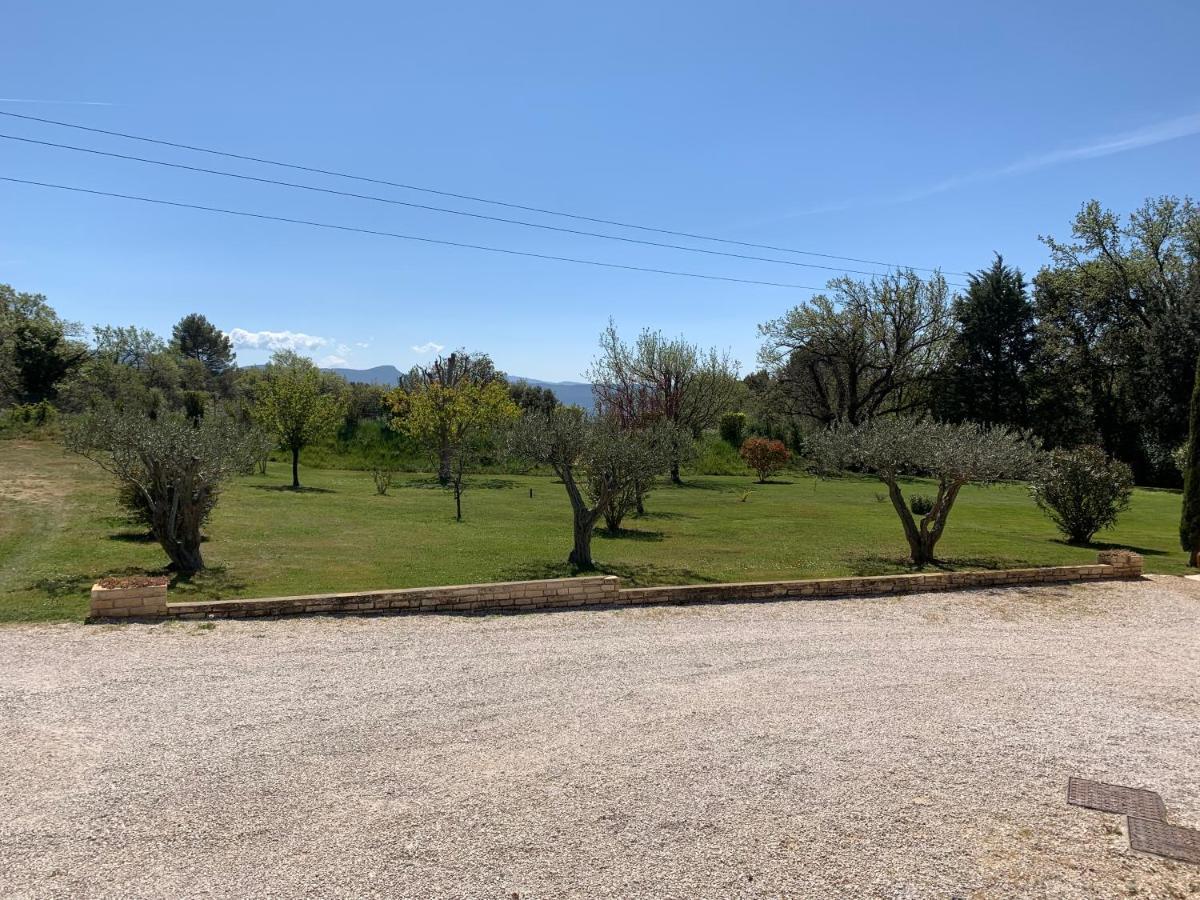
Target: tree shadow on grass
point(631, 574)
point(664, 515)
point(870, 564)
point(212, 583)
point(1104, 545)
point(629, 534)
point(288, 489)
point(132, 537)
point(470, 484)
point(706, 486)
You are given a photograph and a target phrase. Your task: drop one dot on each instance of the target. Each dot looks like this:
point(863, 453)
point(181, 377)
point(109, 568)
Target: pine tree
point(1189, 525)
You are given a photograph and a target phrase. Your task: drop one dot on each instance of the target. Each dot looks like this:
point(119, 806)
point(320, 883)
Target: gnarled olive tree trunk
point(923, 536)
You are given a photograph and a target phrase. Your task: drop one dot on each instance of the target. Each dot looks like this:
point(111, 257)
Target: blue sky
point(925, 134)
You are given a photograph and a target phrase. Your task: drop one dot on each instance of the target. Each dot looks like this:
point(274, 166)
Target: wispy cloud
point(427, 347)
point(333, 360)
point(66, 102)
point(1147, 136)
point(276, 340)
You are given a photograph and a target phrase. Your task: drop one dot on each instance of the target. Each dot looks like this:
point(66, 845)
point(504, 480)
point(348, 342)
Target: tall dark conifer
point(1189, 524)
point(985, 379)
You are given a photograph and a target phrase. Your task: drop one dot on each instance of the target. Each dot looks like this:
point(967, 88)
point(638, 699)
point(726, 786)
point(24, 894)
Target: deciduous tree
point(293, 402)
point(867, 348)
point(454, 422)
point(659, 378)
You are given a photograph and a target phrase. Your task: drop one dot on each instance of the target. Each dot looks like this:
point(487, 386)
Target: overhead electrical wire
point(469, 197)
point(405, 237)
point(440, 209)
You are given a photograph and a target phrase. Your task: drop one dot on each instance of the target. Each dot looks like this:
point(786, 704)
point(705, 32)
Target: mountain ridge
point(578, 393)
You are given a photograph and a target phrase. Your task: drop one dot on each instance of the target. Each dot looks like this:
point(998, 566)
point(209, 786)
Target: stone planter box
point(142, 597)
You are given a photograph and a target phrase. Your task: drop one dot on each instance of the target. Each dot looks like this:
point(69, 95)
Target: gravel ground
point(908, 747)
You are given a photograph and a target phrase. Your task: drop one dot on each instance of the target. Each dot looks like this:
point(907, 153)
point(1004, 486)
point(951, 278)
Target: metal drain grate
point(1161, 839)
point(1115, 798)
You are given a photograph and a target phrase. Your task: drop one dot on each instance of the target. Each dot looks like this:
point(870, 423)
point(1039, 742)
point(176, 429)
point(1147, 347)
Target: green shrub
point(1082, 491)
point(733, 428)
point(921, 504)
point(29, 419)
point(715, 457)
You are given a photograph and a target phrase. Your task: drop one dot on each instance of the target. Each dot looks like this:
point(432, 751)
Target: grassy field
point(60, 530)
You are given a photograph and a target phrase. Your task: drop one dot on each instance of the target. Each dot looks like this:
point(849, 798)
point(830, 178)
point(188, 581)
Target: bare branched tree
point(663, 379)
point(868, 348)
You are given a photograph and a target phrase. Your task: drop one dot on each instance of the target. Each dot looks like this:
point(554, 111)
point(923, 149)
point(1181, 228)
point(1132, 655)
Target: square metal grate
point(1115, 798)
point(1161, 839)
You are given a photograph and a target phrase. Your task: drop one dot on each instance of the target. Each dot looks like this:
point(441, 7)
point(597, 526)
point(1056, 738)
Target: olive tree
point(894, 447)
point(593, 459)
point(645, 453)
point(173, 464)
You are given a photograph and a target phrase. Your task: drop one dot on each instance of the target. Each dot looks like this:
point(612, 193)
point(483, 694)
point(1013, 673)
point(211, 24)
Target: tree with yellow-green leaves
point(454, 422)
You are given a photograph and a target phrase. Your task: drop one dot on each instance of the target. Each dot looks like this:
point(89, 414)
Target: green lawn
point(60, 530)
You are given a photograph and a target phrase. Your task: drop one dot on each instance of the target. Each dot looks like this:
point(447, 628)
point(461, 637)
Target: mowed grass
point(60, 530)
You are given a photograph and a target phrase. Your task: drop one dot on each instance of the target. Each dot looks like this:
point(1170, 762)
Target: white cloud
point(276, 340)
point(427, 347)
point(363, 344)
point(332, 360)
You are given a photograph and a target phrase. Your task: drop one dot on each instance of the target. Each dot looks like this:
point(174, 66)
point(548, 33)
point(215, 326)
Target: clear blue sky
point(929, 134)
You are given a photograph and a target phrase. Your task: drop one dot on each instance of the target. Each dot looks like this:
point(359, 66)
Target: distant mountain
point(569, 393)
point(578, 393)
point(388, 376)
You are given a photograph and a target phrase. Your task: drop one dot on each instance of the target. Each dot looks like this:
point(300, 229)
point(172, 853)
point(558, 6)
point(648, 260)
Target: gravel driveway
point(906, 747)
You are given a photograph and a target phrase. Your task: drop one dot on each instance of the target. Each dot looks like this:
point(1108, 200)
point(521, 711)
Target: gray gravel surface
point(900, 748)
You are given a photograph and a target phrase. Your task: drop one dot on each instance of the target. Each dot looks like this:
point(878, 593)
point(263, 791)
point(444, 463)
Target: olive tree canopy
point(176, 465)
point(595, 458)
point(894, 447)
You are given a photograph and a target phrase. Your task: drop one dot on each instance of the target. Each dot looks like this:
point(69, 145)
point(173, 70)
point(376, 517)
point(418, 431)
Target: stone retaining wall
point(150, 602)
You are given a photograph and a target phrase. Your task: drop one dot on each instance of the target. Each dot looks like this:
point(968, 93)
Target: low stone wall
point(149, 601)
point(1119, 564)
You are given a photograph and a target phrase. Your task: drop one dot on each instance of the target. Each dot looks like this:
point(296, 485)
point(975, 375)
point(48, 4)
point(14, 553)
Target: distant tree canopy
point(38, 350)
point(866, 349)
point(1118, 333)
point(194, 337)
point(533, 398)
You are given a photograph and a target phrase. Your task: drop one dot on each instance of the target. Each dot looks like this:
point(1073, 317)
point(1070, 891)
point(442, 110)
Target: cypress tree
point(1189, 525)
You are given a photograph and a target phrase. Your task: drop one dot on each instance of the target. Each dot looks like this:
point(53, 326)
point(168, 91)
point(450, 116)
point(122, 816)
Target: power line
point(404, 237)
point(469, 197)
point(440, 209)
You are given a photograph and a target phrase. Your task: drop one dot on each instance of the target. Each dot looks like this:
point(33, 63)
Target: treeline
point(1099, 349)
